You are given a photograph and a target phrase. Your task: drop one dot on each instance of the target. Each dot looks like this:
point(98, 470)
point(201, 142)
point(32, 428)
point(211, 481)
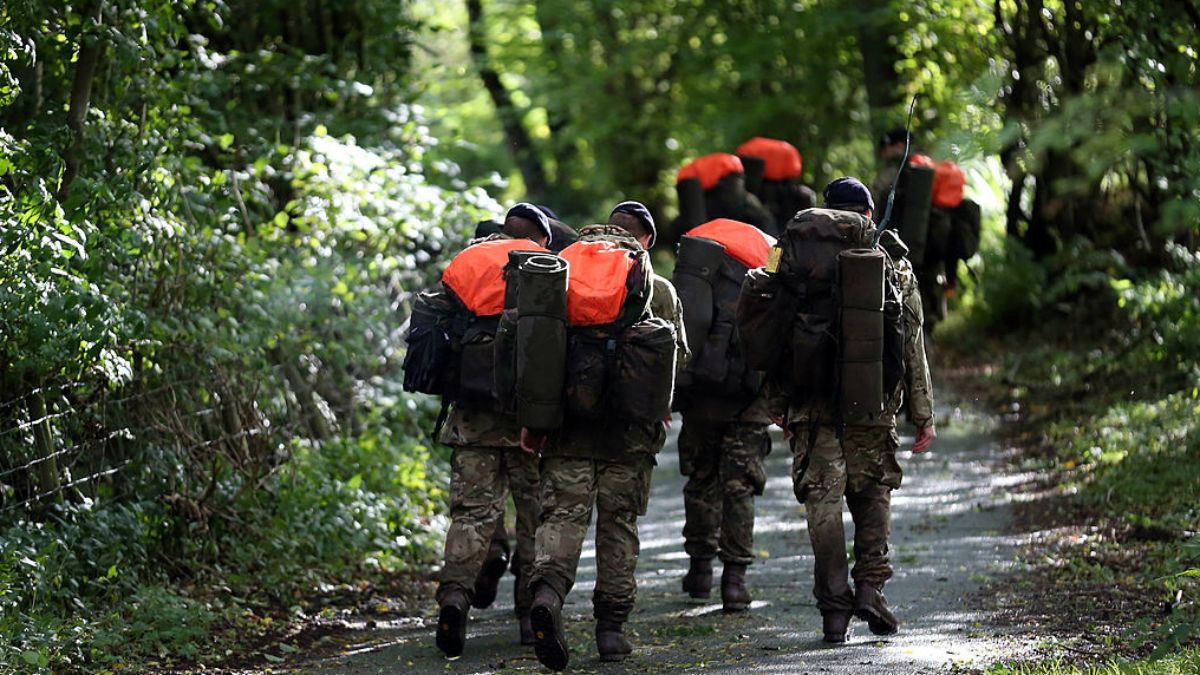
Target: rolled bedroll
point(860, 279)
point(698, 264)
point(541, 349)
point(916, 182)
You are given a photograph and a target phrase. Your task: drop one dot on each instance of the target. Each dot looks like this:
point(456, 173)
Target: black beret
point(639, 211)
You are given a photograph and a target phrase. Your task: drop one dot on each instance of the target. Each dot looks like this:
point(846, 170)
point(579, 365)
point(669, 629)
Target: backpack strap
point(443, 414)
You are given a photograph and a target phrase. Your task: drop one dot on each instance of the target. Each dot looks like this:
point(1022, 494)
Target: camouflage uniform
point(860, 465)
point(606, 465)
point(722, 452)
point(487, 464)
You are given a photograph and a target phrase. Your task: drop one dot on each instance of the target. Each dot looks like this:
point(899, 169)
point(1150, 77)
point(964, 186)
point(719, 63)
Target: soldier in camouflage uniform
point(607, 467)
point(486, 465)
point(858, 462)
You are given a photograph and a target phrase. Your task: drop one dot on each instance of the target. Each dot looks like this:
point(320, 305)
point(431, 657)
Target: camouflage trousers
point(861, 467)
point(724, 465)
point(619, 491)
point(480, 482)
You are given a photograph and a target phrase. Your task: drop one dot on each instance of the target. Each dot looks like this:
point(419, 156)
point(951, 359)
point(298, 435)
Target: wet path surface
point(948, 539)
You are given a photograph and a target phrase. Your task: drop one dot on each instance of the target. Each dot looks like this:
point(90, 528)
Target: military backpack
point(713, 261)
point(450, 342)
point(823, 317)
point(620, 358)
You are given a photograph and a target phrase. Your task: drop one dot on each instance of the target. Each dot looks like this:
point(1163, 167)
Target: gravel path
point(948, 539)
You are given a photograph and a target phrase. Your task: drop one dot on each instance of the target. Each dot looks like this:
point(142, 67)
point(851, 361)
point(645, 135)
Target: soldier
point(487, 463)
point(855, 459)
point(603, 464)
point(724, 437)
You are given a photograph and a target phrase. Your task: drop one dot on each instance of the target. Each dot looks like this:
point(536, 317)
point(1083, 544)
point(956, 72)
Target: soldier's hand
point(782, 424)
point(925, 437)
point(532, 442)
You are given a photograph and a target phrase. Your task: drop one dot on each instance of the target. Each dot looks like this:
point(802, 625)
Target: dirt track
point(948, 525)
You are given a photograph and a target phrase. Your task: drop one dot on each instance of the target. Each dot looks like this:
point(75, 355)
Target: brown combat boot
point(697, 583)
point(611, 641)
point(549, 640)
point(836, 625)
point(487, 583)
point(451, 634)
point(871, 606)
point(734, 596)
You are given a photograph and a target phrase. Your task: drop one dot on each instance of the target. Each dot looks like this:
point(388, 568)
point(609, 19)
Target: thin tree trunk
point(46, 470)
point(90, 55)
point(520, 143)
point(879, 58)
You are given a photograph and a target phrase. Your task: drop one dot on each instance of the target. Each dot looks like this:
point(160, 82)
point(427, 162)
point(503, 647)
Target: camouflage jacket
point(613, 440)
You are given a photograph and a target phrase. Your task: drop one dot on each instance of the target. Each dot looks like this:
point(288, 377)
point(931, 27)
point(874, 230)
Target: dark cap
point(533, 214)
point(895, 136)
point(848, 192)
point(548, 211)
point(638, 210)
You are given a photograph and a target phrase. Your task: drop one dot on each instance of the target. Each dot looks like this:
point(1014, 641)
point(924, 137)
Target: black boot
point(549, 640)
point(611, 641)
point(697, 583)
point(452, 624)
point(836, 625)
point(734, 596)
point(871, 606)
point(488, 581)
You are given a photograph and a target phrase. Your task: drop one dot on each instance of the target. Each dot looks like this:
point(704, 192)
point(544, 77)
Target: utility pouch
point(763, 311)
point(429, 354)
point(814, 354)
point(645, 371)
point(477, 362)
point(590, 356)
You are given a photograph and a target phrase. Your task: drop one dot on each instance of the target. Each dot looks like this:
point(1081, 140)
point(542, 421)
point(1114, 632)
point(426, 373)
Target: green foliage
point(1184, 662)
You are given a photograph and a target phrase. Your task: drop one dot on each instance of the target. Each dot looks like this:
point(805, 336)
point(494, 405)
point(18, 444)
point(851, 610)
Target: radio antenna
point(887, 214)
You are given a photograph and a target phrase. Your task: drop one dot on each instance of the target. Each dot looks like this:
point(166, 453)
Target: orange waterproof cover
point(477, 274)
point(743, 242)
point(781, 160)
point(596, 289)
point(922, 160)
point(710, 169)
point(948, 184)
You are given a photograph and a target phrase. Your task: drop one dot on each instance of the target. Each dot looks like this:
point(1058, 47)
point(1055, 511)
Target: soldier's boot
point(451, 634)
point(697, 583)
point(871, 606)
point(549, 640)
point(611, 641)
point(836, 625)
point(526, 628)
point(734, 595)
point(487, 583)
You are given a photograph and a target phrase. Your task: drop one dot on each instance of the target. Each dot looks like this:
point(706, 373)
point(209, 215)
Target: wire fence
point(190, 432)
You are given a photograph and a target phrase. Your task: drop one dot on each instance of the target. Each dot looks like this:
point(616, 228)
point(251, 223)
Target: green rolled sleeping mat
point(861, 283)
point(506, 334)
point(754, 168)
point(541, 341)
point(916, 184)
point(692, 211)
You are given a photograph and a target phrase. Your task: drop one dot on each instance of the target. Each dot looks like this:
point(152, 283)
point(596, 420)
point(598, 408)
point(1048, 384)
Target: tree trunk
point(91, 53)
point(879, 58)
point(46, 469)
point(520, 143)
